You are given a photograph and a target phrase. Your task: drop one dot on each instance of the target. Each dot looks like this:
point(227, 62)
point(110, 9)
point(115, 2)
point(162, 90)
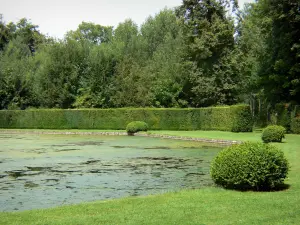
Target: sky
point(56, 17)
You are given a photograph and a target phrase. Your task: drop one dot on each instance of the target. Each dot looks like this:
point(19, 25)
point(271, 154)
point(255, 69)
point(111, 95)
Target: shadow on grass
point(276, 142)
point(280, 187)
point(282, 142)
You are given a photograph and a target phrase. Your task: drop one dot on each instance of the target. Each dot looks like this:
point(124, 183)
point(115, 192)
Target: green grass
point(53, 130)
point(204, 206)
point(213, 135)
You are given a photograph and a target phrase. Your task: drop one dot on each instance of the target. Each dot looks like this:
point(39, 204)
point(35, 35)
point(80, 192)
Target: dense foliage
point(282, 115)
point(202, 53)
point(273, 133)
point(136, 126)
point(295, 125)
point(243, 121)
point(268, 39)
point(210, 118)
point(250, 165)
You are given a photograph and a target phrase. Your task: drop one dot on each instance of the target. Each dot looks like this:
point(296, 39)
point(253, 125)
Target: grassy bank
point(255, 136)
point(2, 130)
point(204, 206)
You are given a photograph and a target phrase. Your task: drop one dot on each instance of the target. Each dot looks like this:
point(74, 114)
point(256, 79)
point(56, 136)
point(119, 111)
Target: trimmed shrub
point(295, 125)
point(136, 126)
point(227, 118)
point(243, 121)
point(250, 165)
point(273, 133)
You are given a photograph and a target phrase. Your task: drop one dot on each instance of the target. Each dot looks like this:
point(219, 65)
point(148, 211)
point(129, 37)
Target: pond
point(42, 171)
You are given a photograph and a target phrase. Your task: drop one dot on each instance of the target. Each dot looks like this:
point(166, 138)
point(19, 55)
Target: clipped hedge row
point(231, 118)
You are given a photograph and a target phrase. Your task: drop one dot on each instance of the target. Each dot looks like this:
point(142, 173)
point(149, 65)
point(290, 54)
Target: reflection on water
point(40, 171)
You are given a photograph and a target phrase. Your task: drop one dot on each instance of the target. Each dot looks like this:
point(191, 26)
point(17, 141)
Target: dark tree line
point(203, 53)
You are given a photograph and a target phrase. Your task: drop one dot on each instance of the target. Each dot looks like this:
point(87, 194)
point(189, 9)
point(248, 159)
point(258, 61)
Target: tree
point(95, 84)
point(127, 42)
point(210, 40)
point(280, 69)
point(131, 86)
point(155, 29)
point(15, 70)
point(151, 69)
point(94, 33)
point(128, 86)
point(251, 46)
point(4, 33)
point(60, 66)
point(268, 36)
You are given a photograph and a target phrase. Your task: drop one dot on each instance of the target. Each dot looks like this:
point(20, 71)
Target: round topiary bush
point(136, 126)
point(273, 133)
point(250, 165)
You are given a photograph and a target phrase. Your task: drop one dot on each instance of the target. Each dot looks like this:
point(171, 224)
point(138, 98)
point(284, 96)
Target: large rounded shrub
point(136, 126)
point(273, 133)
point(250, 165)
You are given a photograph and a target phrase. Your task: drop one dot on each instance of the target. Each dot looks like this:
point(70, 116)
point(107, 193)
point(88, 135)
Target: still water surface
point(42, 171)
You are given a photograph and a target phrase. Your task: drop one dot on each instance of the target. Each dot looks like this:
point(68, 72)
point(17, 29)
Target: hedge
point(230, 118)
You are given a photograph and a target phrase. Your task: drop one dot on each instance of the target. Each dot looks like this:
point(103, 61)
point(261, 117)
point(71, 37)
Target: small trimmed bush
point(250, 165)
point(136, 126)
point(295, 125)
point(273, 133)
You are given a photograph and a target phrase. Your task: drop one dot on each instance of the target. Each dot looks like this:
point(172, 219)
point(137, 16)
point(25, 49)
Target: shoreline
point(122, 133)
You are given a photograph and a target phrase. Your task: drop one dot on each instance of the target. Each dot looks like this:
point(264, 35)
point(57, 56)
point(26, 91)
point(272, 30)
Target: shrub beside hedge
point(230, 118)
point(295, 125)
point(136, 126)
point(283, 115)
point(256, 166)
point(273, 133)
point(243, 121)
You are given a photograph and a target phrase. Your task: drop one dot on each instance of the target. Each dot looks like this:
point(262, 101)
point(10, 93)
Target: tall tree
point(151, 70)
point(210, 40)
point(61, 64)
point(280, 69)
point(15, 71)
point(96, 81)
point(166, 68)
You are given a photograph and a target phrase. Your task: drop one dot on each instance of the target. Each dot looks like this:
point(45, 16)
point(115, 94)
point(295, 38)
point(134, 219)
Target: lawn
point(204, 206)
